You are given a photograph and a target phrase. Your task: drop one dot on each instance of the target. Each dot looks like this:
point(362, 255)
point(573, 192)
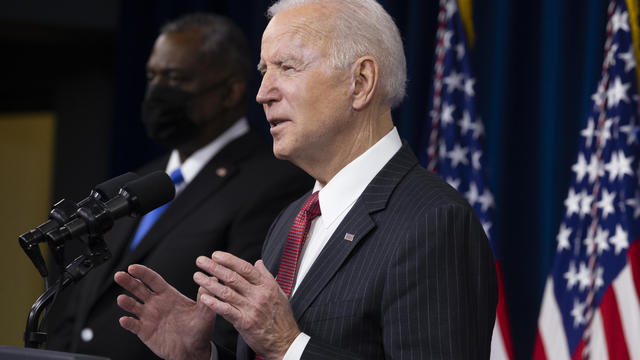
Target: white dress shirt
point(337, 197)
point(194, 163)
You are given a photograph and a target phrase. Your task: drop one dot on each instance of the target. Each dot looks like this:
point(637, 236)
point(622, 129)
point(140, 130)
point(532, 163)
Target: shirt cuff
point(214, 351)
point(297, 347)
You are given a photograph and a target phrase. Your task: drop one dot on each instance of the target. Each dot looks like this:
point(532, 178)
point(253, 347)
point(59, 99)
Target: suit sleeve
point(440, 291)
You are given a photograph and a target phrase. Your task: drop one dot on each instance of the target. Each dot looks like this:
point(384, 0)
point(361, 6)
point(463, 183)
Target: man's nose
point(268, 91)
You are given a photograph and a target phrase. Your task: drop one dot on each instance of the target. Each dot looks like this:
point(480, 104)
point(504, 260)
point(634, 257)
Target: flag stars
point(450, 8)
point(620, 239)
point(588, 132)
point(619, 165)
point(446, 39)
point(635, 204)
point(447, 113)
point(472, 194)
point(453, 81)
point(584, 276)
point(486, 200)
point(442, 149)
point(599, 282)
point(571, 276)
point(617, 92)
point(630, 130)
point(604, 134)
point(572, 202)
point(585, 203)
point(620, 21)
point(458, 155)
point(580, 167)
point(594, 169)
point(465, 123)
point(599, 96)
point(563, 238)
point(468, 86)
point(629, 59)
point(475, 160)
point(577, 312)
point(453, 182)
point(486, 225)
point(601, 240)
point(606, 203)
point(460, 51)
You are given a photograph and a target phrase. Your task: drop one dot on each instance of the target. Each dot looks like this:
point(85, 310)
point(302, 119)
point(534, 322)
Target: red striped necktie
point(295, 240)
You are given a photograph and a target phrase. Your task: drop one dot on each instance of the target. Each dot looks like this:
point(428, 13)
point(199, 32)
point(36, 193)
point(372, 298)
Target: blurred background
point(72, 77)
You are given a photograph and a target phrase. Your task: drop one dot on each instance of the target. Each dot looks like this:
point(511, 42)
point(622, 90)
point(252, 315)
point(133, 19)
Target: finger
point(151, 278)
point(230, 277)
point(129, 304)
point(245, 269)
point(130, 324)
point(228, 312)
point(262, 270)
point(223, 292)
point(132, 285)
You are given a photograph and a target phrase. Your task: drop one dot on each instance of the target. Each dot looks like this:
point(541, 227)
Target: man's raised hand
point(169, 323)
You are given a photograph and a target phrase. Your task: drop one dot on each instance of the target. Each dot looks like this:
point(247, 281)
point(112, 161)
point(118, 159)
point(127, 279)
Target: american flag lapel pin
point(348, 237)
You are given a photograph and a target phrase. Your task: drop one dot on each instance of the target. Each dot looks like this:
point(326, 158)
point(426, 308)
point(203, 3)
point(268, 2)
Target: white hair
point(363, 27)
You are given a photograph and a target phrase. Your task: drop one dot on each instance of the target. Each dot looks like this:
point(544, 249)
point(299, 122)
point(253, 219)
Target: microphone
point(63, 212)
point(136, 198)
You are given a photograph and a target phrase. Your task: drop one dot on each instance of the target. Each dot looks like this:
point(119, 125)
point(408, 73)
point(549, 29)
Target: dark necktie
point(148, 220)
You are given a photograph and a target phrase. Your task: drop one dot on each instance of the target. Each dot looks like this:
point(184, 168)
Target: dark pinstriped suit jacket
point(417, 281)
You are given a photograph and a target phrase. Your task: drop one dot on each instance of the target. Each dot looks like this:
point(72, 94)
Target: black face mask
point(165, 115)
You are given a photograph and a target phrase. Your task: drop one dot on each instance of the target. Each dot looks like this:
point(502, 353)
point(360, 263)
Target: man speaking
point(381, 260)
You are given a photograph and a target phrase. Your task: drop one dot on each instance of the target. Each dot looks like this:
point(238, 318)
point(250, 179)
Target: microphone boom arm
point(98, 253)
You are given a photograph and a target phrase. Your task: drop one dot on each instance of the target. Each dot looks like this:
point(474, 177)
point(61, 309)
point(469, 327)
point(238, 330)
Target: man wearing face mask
point(229, 186)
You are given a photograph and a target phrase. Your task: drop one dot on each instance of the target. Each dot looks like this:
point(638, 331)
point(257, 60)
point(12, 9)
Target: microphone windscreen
point(110, 188)
point(151, 191)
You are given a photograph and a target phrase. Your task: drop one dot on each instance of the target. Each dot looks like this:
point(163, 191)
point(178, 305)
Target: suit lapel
point(358, 222)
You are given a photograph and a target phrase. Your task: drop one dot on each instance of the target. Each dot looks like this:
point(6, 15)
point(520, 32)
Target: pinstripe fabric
point(416, 282)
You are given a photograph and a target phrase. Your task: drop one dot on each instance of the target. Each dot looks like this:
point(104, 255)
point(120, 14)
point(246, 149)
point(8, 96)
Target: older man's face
point(305, 100)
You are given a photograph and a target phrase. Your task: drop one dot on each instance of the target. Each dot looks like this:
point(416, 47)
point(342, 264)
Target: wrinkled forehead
point(301, 25)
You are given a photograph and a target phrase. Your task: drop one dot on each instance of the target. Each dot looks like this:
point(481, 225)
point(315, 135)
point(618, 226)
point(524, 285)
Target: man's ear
point(237, 88)
point(365, 75)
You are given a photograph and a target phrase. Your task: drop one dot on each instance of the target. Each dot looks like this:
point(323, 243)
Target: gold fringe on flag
point(466, 13)
point(632, 7)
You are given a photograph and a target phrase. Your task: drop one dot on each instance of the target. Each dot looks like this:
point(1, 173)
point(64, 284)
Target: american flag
point(454, 148)
point(590, 305)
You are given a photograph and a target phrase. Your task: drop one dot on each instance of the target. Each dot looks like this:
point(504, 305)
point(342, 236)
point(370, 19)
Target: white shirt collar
point(339, 194)
point(194, 163)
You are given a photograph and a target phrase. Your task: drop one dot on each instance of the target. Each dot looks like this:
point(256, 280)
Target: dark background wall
point(536, 65)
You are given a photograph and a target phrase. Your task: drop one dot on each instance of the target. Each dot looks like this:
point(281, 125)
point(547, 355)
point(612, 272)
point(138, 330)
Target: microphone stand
point(98, 253)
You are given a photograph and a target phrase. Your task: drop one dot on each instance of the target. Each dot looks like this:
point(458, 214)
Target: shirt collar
point(194, 163)
point(348, 184)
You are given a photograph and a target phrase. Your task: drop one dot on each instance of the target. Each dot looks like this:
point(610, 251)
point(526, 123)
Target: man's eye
point(287, 67)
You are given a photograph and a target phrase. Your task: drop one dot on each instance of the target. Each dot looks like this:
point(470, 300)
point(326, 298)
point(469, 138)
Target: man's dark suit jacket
point(417, 281)
point(228, 206)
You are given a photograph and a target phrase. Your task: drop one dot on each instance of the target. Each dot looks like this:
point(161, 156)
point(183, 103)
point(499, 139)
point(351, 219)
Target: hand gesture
point(251, 300)
point(169, 323)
